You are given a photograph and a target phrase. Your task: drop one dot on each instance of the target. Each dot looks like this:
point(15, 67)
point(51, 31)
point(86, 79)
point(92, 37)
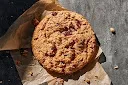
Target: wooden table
point(102, 14)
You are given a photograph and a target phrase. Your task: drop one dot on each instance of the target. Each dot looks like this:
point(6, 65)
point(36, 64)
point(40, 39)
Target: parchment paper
point(31, 73)
point(20, 33)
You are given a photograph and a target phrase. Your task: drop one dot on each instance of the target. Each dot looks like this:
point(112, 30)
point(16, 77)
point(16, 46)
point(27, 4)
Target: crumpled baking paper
point(31, 73)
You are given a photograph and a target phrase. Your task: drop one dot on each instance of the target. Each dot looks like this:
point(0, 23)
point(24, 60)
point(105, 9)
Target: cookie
point(64, 42)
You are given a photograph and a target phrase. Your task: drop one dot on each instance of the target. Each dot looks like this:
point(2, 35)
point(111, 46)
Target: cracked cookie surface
point(64, 42)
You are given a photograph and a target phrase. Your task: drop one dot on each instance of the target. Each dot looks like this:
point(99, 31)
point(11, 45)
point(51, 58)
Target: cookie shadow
point(102, 58)
point(76, 75)
point(111, 83)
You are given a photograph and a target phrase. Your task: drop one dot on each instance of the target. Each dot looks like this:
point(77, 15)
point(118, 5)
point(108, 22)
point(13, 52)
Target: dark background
point(10, 10)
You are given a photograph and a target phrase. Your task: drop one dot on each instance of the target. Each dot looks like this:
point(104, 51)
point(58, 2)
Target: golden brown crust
point(64, 42)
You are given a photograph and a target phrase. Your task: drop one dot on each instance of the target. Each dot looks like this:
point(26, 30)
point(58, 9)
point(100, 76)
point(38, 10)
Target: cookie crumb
point(96, 76)
point(24, 53)
point(31, 73)
point(112, 30)
point(60, 81)
point(17, 62)
point(87, 80)
point(1, 82)
point(116, 67)
point(35, 22)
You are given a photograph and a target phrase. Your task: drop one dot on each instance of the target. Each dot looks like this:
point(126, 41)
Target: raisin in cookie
point(64, 42)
